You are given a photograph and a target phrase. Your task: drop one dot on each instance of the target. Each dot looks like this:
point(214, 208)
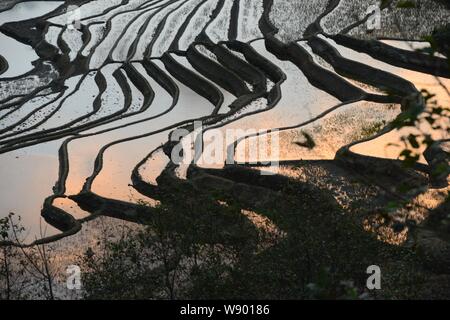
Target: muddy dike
point(401, 58)
point(384, 81)
point(246, 71)
point(193, 81)
point(318, 76)
point(32, 32)
point(3, 65)
point(216, 73)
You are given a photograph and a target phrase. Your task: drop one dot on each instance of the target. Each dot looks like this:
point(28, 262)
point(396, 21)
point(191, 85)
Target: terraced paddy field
point(97, 97)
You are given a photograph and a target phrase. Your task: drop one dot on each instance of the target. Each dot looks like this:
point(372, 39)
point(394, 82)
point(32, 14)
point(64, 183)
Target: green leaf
point(406, 4)
point(413, 141)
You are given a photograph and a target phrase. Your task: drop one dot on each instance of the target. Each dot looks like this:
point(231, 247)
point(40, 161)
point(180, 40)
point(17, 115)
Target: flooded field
point(92, 94)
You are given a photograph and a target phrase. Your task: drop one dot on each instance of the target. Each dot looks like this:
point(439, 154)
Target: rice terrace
point(224, 149)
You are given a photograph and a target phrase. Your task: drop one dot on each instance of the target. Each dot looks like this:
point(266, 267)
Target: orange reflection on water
point(389, 145)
